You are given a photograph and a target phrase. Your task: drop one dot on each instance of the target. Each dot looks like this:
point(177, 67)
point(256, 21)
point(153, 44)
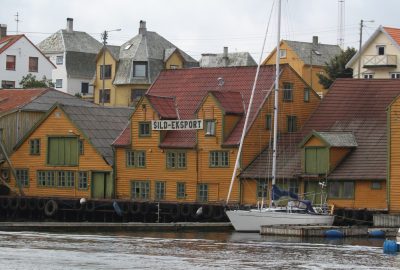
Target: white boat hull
point(252, 220)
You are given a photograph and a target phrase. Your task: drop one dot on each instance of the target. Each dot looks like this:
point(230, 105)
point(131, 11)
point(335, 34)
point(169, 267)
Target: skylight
point(128, 46)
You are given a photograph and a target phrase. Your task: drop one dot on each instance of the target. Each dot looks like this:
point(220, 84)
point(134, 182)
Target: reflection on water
point(188, 250)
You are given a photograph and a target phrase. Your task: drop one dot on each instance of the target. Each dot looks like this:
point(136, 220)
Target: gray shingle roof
point(324, 52)
point(234, 60)
point(101, 125)
point(45, 101)
point(339, 139)
point(148, 47)
point(74, 41)
point(82, 65)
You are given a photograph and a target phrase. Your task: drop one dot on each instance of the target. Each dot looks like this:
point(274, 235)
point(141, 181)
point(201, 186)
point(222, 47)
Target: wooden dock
point(312, 231)
point(114, 227)
point(384, 220)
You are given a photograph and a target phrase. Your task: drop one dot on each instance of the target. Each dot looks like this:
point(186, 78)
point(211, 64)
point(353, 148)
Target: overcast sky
point(201, 26)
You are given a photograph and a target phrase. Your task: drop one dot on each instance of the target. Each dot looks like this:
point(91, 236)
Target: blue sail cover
point(277, 193)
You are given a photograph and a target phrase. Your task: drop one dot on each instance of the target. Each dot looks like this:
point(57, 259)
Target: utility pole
point(104, 36)
point(359, 47)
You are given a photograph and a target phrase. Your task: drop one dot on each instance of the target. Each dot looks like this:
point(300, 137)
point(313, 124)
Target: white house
point(74, 54)
point(19, 57)
point(379, 57)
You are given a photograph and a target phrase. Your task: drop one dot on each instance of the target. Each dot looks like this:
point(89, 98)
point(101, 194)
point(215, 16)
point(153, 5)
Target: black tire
point(32, 203)
point(13, 203)
point(185, 209)
point(23, 203)
point(90, 206)
point(144, 208)
point(78, 205)
point(134, 208)
point(208, 211)
point(219, 213)
point(41, 203)
point(174, 211)
point(50, 208)
point(4, 203)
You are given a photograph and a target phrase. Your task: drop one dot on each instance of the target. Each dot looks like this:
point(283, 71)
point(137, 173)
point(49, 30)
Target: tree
point(336, 68)
point(29, 81)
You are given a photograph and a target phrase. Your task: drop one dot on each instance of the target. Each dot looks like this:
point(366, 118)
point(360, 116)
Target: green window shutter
point(322, 160)
point(310, 160)
point(63, 151)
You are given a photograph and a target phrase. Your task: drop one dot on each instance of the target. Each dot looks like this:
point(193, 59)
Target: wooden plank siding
point(394, 157)
point(56, 124)
point(336, 155)
point(15, 125)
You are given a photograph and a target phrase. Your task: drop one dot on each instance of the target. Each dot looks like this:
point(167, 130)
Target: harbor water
point(188, 250)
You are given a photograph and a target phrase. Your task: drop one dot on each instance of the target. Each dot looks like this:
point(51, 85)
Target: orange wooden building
point(196, 165)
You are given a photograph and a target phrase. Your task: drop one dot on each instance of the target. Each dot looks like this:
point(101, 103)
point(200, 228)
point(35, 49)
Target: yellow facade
point(307, 72)
point(57, 124)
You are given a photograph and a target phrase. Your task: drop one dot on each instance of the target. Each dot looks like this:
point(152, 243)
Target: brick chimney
point(315, 40)
point(142, 27)
point(3, 30)
point(70, 25)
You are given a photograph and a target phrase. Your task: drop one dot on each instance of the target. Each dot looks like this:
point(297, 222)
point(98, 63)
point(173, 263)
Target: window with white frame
point(282, 53)
point(59, 60)
point(210, 127)
point(380, 49)
point(368, 76)
point(59, 83)
point(395, 75)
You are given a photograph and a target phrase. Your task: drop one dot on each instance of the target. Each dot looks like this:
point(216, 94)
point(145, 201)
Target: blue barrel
point(334, 234)
point(390, 247)
point(376, 234)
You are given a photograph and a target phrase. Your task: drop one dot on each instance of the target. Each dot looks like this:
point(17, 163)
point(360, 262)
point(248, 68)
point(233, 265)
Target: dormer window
point(139, 69)
point(381, 49)
point(210, 128)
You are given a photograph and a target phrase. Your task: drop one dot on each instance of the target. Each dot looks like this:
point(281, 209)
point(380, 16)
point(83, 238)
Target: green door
point(102, 186)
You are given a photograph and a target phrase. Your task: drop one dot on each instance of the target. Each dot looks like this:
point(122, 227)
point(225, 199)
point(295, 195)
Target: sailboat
point(297, 212)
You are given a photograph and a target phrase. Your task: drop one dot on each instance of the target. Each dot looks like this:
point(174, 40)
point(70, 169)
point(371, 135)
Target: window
point(268, 122)
point(82, 180)
point(136, 94)
point(81, 147)
point(376, 185)
point(10, 62)
point(7, 84)
point(282, 53)
point(306, 94)
point(46, 178)
point(33, 64)
point(341, 190)
point(22, 177)
point(104, 96)
point(136, 159)
point(160, 191)
point(316, 160)
point(144, 129)
point(59, 60)
point(287, 92)
point(84, 88)
point(66, 179)
point(34, 147)
point(202, 192)
point(173, 66)
point(180, 190)
point(291, 123)
point(107, 72)
point(140, 190)
point(210, 127)
point(368, 76)
point(62, 151)
point(58, 83)
point(262, 189)
point(176, 160)
point(219, 159)
point(395, 75)
point(380, 49)
point(139, 69)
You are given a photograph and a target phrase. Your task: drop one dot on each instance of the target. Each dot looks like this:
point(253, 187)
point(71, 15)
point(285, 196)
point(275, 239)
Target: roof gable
point(333, 139)
point(231, 102)
point(164, 106)
point(7, 41)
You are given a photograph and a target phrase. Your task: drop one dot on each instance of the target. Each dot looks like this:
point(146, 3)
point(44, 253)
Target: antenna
point(17, 20)
point(341, 20)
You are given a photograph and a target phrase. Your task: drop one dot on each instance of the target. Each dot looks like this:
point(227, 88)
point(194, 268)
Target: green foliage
point(336, 68)
point(29, 81)
point(78, 95)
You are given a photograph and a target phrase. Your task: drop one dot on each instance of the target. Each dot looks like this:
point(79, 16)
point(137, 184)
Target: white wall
point(75, 85)
point(60, 72)
point(22, 50)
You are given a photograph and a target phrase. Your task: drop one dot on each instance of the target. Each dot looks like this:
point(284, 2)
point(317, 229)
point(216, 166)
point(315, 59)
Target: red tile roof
point(124, 138)
point(394, 33)
point(164, 106)
point(8, 41)
point(351, 105)
point(189, 87)
point(231, 102)
point(11, 99)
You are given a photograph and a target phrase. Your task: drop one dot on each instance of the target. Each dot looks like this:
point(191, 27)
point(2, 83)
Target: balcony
point(380, 61)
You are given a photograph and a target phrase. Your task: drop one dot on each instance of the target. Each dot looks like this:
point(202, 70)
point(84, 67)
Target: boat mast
point(276, 99)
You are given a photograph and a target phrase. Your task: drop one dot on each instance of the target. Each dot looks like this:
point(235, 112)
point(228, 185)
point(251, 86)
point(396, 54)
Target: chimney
point(315, 40)
point(225, 57)
point(3, 30)
point(142, 27)
point(70, 25)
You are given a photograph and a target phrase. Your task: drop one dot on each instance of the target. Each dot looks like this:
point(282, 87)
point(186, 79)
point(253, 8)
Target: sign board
point(177, 124)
